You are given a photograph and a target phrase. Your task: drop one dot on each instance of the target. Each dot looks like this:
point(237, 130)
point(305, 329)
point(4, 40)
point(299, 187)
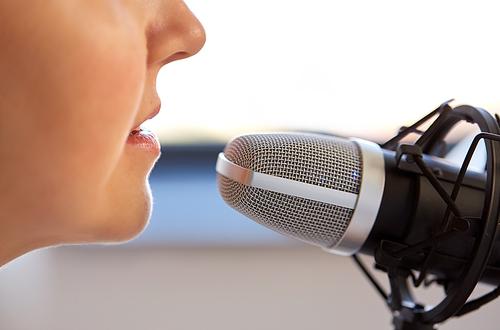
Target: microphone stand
point(407, 314)
point(404, 310)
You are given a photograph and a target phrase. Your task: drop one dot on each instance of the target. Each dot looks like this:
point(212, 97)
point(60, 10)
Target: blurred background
point(349, 68)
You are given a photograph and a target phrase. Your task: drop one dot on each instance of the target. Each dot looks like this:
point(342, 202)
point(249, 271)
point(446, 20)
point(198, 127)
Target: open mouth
point(135, 131)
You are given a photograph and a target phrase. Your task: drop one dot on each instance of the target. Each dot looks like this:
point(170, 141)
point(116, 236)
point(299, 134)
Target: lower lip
point(146, 140)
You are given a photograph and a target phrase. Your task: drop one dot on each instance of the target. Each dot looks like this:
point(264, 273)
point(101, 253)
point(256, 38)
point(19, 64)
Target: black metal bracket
point(388, 255)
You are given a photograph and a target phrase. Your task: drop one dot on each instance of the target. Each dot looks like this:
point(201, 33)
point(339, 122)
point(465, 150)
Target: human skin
point(77, 77)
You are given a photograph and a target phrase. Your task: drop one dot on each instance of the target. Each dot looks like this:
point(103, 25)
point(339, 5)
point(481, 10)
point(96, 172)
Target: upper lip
point(155, 111)
point(151, 116)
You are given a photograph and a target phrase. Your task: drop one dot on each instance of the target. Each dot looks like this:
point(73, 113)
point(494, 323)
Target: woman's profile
point(77, 81)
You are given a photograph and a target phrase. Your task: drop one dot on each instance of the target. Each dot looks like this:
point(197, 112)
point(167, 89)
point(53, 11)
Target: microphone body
point(411, 211)
point(348, 196)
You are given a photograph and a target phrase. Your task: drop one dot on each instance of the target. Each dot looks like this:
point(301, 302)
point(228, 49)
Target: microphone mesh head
point(321, 160)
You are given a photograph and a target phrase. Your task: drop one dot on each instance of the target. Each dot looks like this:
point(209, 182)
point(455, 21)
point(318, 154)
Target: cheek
point(108, 189)
point(92, 124)
point(71, 107)
point(109, 93)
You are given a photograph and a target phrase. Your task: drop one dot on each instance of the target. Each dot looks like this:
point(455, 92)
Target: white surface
point(232, 288)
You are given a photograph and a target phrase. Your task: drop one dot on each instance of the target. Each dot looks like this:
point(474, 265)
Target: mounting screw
point(438, 172)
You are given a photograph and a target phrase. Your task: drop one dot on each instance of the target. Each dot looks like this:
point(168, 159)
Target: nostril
point(174, 33)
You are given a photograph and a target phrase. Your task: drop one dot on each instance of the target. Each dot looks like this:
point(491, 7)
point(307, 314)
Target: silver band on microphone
point(282, 185)
point(370, 196)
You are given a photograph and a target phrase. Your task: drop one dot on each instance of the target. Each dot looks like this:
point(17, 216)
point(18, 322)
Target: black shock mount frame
point(408, 314)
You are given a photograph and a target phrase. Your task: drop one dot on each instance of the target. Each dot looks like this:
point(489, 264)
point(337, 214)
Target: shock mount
point(407, 313)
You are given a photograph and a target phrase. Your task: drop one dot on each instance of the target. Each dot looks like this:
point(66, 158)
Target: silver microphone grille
point(314, 159)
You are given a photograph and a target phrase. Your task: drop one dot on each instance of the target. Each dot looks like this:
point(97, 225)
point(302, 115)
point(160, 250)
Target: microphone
point(404, 204)
point(344, 195)
point(320, 189)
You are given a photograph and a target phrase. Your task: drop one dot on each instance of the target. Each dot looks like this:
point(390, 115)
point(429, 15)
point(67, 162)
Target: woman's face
point(77, 79)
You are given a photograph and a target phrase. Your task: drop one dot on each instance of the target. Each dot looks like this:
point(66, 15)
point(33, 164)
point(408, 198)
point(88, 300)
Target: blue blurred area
point(188, 210)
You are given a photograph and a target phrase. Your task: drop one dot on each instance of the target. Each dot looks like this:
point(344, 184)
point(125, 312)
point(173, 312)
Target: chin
point(123, 206)
point(132, 224)
point(125, 216)
point(128, 203)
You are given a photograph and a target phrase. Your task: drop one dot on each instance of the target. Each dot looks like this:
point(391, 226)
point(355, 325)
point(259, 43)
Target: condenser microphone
point(402, 203)
point(320, 189)
point(344, 195)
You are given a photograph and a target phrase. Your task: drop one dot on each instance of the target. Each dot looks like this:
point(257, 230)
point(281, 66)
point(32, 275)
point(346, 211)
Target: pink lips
point(144, 139)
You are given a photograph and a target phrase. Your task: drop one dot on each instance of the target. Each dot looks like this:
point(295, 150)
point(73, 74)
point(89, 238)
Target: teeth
point(135, 131)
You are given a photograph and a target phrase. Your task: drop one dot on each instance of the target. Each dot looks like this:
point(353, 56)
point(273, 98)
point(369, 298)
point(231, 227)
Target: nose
point(173, 33)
